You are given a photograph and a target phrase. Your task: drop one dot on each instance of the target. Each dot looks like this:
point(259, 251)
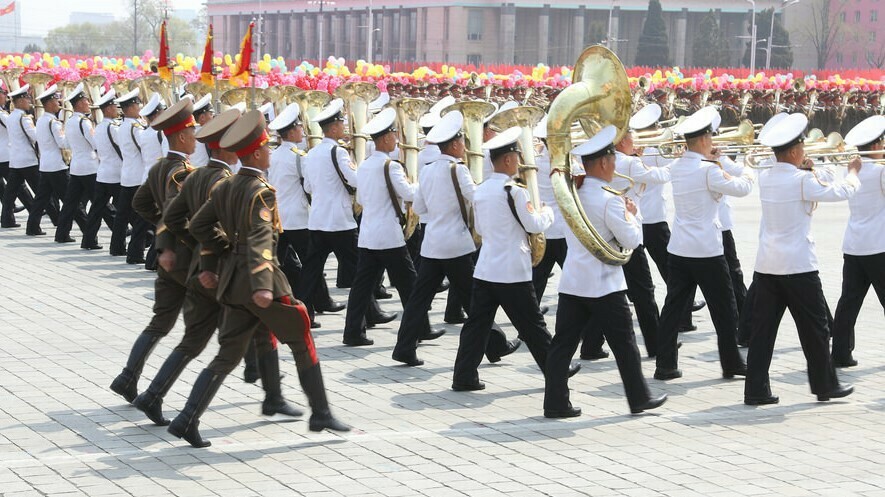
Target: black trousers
point(17, 179)
point(370, 267)
point(711, 274)
point(102, 194)
point(803, 295)
point(655, 238)
point(554, 254)
point(80, 191)
point(51, 189)
point(459, 271)
point(323, 243)
point(521, 306)
point(858, 274)
point(126, 216)
point(292, 249)
point(23, 194)
point(734, 269)
point(414, 245)
point(611, 313)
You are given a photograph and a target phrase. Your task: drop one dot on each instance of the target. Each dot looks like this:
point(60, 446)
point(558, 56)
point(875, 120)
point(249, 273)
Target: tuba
point(38, 82)
point(408, 112)
point(599, 95)
point(526, 118)
point(10, 78)
point(311, 103)
point(357, 96)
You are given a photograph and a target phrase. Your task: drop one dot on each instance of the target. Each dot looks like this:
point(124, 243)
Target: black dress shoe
point(134, 261)
point(272, 407)
point(741, 371)
point(117, 254)
point(667, 374)
point(569, 412)
point(314, 325)
point(687, 327)
point(408, 360)
point(432, 335)
point(468, 387)
point(544, 310)
point(381, 293)
point(66, 239)
point(459, 319)
point(384, 317)
point(595, 355)
point(838, 393)
point(848, 362)
point(18, 209)
point(573, 369)
point(14, 225)
point(332, 307)
point(35, 233)
point(650, 404)
point(512, 346)
point(358, 341)
point(761, 401)
point(91, 247)
point(698, 305)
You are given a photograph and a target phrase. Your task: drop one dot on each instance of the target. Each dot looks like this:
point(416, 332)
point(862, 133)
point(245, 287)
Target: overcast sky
point(39, 16)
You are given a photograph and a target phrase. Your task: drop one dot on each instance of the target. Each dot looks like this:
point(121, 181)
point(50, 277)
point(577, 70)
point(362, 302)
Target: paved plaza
point(68, 319)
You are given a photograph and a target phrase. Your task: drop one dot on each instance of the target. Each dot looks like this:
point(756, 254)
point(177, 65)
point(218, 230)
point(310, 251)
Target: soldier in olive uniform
point(240, 260)
point(201, 310)
point(163, 182)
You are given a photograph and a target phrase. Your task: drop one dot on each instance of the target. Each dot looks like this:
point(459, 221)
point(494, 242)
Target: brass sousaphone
point(598, 96)
point(408, 112)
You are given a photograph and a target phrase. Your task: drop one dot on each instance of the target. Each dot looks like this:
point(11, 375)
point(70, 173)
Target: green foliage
point(782, 54)
point(654, 49)
point(31, 48)
point(710, 46)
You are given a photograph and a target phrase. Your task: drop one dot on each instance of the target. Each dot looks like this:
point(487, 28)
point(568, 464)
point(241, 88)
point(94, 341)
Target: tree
point(87, 39)
point(150, 14)
point(654, 49)
point(782, 54)
point(710, 46)
point(596, 33)
point(31, 48)
point(876, 57)
point(825, 30)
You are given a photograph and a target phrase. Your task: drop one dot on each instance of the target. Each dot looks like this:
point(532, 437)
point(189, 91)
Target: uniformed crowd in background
point(240, 233)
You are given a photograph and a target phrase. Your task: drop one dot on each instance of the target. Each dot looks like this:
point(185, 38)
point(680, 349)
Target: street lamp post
point(753, 40)
point(784, 5)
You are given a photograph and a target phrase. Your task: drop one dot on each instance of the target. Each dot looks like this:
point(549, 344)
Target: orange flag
point(206, 73)
point(164, 66)
point(240, 77)
point(9, 9)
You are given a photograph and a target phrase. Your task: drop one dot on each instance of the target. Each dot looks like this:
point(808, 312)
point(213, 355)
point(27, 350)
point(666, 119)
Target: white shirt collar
point(259, 171)
point(693, 155)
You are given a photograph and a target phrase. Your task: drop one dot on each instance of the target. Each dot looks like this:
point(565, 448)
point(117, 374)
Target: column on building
point(386, 34)
point(680, 37)
point(402, 52)
point(577, 42)
point(615, 32)
point(356, 35)
point(507, 33)
point(311, 44)
point(544, 34)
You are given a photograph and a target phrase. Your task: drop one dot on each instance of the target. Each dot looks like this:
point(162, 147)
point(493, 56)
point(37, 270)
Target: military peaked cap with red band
point(176, 118)
point(247, 134)
point(211, 132)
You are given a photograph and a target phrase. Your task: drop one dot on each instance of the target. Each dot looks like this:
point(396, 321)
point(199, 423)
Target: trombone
point(739, 141)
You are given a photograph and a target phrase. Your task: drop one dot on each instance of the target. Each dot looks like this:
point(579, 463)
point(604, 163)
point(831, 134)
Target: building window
point(838, 58)
point(474, 24)
point(854, 59)
point(874, 15)
point(856, 16)
point(841, 16)
point(872, 36)
point(474, 59)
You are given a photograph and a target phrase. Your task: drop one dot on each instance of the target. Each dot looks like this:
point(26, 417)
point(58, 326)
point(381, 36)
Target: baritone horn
point(93, 85)
point(311, 103)
point(475, 112)
point(38, 82)
point(357, 96)
point(599, 95)
point(408, 112)
point(526, 118)
point(10, 78)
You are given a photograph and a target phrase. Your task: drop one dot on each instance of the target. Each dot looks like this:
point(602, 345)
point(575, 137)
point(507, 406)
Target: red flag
point(164, 65)
point(240, 77)
point(206, 75)
point(9, 9)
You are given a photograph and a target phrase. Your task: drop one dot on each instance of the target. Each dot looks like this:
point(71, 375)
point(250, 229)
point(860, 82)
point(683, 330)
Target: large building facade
point(485, 32)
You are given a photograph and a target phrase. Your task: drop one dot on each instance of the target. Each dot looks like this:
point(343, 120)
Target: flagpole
point(251, 69)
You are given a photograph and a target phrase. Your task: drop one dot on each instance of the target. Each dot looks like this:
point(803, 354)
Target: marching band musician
point(24, 157)
point(786, 275)
point(695, 249)
point(53, 170)
point(131, 174)
point(382, 246)
point(149, 202)
point(445, 193)
point(330, 179)
point(504, 217)
point(107, 178)
point(84, 166)
point(23, 194)
point(604, 299)
point(864, 243)
point(203, 113)
point(286, 174)
point(239, 223)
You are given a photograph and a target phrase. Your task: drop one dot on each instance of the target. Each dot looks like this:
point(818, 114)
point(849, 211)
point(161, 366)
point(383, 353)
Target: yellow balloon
point(266, 58)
